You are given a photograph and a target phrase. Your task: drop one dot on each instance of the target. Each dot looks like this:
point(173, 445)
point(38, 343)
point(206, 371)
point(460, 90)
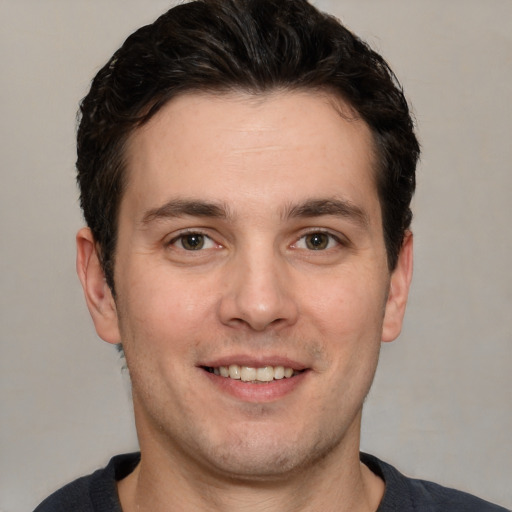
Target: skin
point(248, 175)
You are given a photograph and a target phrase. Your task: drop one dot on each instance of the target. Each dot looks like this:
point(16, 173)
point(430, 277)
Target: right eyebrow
point(329, 206)
point(183, 207)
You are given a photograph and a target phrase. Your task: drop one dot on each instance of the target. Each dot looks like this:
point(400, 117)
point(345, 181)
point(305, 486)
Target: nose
point(259, 293)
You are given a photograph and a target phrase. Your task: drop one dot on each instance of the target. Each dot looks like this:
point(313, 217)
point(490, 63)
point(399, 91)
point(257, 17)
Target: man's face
point(250, 237)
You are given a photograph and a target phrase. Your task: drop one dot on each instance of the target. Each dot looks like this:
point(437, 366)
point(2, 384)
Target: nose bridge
point(258, 292)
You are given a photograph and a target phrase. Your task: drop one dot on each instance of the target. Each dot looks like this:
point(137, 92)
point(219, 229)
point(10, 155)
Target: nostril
point(253, 303)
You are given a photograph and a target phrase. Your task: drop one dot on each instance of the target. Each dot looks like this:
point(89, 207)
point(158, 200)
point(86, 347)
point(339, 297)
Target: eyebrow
point(307, 209)
point(333, 206)
point(183, 207)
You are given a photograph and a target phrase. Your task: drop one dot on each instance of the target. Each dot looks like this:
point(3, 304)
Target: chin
point(263, 456)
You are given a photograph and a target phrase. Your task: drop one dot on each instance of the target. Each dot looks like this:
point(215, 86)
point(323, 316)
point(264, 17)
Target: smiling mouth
point(261, 375)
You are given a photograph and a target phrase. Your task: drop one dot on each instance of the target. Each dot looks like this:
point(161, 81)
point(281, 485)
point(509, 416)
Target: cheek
point(347, 319)
point(347, 305)
point(166, 311)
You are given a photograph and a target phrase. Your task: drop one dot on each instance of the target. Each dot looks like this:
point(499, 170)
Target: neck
point(164, 482)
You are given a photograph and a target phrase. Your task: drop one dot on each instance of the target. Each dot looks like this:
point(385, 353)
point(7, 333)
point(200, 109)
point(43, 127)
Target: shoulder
point(410, 494)
point(73, 496)
point(96, 492)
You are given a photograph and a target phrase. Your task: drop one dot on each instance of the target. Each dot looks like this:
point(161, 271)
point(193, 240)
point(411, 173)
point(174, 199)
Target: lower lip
point(257, 393)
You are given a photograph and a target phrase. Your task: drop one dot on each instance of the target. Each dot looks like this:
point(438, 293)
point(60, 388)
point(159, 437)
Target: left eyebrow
point(183, 207)
point(335, 207)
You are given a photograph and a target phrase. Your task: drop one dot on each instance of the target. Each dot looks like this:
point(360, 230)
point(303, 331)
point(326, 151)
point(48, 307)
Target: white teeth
point(234, 372)
point(247, 373)
point(278, 372)
point(265, 374)
point(251, 374)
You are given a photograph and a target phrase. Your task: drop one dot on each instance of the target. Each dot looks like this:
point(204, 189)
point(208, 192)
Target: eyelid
point(337, 237)
point(190, 231)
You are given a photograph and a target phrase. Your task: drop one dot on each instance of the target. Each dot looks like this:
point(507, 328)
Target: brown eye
point(192, 242)
point(317, 241)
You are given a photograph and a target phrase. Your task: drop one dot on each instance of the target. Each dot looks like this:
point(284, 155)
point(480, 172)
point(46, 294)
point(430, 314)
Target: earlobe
point(97, 293)
point(398, 291)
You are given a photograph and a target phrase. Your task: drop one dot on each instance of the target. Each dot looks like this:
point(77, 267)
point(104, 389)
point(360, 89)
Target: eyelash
point(190, 233)
point(206, 238)
point(338, 240)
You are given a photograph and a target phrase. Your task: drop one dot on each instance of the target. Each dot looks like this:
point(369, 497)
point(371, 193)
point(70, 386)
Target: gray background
point(441, 404)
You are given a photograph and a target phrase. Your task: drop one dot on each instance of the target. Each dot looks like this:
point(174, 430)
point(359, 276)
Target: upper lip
point(254, 362)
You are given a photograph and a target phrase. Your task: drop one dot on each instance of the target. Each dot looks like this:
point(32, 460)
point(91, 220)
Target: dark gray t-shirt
point(98, 492)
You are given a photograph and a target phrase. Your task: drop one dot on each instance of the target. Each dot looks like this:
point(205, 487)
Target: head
point(248, 46)
point(246, 168)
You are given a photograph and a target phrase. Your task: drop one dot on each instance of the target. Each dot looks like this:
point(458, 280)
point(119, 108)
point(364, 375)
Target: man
point(246, 169)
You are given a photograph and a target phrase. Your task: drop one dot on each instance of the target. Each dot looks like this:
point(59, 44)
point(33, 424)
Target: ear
point(398, 291)
point(98, 295)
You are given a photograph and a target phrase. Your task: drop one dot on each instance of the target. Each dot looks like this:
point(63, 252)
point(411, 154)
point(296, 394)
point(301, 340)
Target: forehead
point(285, 146)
